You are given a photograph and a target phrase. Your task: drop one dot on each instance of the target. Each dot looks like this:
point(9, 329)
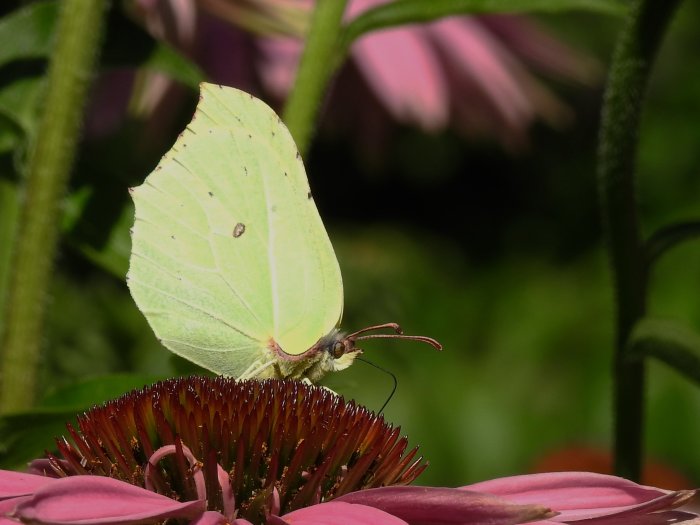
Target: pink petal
point(13, 484)
point(475, 55)
point(7, 521)
point(655, 518)
point(404, 73)
point(339, 513)
point(278, 64)
point(92, 500)
point(442, 505)
point(227, 495)
point(7, 506)
point(170, 20)
point(212, 518)
point(582, 495)
point(524, 37)
point(42, 466)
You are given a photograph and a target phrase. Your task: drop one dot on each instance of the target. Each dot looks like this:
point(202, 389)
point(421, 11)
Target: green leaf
point(666, 238)
point(83, 395)
point(668, 341)
point(416, 11)
point(28, 32)
point(169, 61)
point(10, 135)
point(112, 252)
point(19, 102)
point(26, 435)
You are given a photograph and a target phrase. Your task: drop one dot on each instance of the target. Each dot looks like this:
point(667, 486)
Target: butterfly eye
point(338, 349)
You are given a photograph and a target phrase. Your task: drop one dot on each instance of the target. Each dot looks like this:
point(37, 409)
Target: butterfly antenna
point(398, 335)
point(394, 326)
point(393, 377)
point(422, 338)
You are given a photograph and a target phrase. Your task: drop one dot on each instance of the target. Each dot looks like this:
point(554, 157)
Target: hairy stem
point(631, 64)
point(70, 70)
point(315, 70)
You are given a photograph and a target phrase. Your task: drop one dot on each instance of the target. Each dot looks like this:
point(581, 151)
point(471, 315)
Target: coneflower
point(211, 451)
point(270, 446)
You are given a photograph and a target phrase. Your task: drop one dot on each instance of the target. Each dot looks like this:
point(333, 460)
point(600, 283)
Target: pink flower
point(572, 496)
point(93, 500)
point(575, 496)
point(210, 451)
point(90, 500)
point(597, 498)
point(470, 72)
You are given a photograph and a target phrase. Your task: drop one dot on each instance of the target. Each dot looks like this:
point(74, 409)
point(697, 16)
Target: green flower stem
point(631, 64)
point(8, 221)
point(668, 341)
point(70, 70)
point(315, 69)
point(669, 237)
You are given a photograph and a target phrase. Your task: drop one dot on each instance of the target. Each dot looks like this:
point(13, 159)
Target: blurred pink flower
point(469, 72)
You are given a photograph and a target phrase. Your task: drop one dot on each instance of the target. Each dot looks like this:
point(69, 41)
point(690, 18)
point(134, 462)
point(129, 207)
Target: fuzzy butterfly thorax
point(333, 352)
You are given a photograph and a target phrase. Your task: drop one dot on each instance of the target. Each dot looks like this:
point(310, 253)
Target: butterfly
point(230, 262)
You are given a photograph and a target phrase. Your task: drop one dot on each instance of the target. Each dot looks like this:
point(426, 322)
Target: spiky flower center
point(267, 447)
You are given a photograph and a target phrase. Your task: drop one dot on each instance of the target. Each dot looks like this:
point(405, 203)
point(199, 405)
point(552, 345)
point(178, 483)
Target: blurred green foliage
point(496, 255)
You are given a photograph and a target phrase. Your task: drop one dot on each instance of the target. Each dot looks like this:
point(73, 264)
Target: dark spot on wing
point(273, 208)
point(308, 196)
point(298, 155)
point(210, 194)
point(245, 169)
point(238, 230)
point(285, 173)
point(250, 136)
point(172, 237)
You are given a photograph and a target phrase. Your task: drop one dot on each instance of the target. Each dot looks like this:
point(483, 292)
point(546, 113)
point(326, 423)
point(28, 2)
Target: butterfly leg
point(254, 370)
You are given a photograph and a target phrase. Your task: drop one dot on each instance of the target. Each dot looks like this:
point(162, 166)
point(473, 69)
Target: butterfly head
point(337, 351)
